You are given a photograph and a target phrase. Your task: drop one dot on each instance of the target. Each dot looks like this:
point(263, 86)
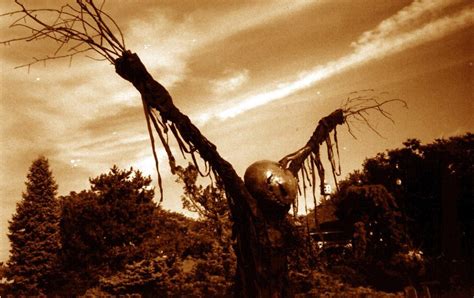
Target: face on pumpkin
point(267, 180)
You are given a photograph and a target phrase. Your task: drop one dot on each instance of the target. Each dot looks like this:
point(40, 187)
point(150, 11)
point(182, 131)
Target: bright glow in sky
point(254, 76)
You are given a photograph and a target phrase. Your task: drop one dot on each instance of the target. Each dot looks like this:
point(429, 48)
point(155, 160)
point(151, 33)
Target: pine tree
point(34, 234)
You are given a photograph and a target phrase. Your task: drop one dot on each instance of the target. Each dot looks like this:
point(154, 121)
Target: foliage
point(34, 234)
point(149, 278)
point(169, 278)
point(432, 185)
point(177, 256)
point(209, 202)
point(171, 237)
point(115, 217)
point(313, 283)
point(173, 255)
point(372, 213)
point(211, 275)
point(128, 245)
point(419, 176)
point(3, 269)
point(188, 261)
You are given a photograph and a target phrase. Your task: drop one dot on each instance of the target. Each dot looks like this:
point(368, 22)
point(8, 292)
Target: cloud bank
point(414, 25)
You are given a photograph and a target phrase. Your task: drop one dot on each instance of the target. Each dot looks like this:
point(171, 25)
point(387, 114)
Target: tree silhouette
point(375, 209)
point(209, 202)
point(262, 264)
point(432, 184)
point(116, 216)
point(34, 234)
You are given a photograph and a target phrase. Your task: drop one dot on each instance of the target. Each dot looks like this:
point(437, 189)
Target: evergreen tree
point(34, 234)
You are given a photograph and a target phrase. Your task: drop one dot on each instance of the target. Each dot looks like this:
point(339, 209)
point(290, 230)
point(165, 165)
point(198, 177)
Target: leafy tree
point(34, 234)
point(103, 228)
point(154, 266)
point(172, 277)
point(371, 215)
point(184, 259)
point(209, 202)
point(149, 278)
point(433, 186)
point(177, 237)
point(128, 245)
point(371, 209)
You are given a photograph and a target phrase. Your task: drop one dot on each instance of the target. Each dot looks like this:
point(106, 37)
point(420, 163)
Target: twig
point(77, 30)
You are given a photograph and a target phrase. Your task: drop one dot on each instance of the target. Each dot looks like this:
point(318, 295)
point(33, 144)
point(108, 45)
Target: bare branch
point(359, 107)
point(77, 29)
point(47, 58)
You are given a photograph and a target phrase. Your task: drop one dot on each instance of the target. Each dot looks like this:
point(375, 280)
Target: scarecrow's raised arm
point(84, 28)
point(189, 137)
point(307, 160)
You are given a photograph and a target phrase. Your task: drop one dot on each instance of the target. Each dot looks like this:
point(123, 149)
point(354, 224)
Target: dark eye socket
point(282, 190)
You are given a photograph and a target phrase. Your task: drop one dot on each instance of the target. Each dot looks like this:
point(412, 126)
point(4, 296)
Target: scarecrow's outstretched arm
point(156, 96)
point(326, 125)
point(356, 109)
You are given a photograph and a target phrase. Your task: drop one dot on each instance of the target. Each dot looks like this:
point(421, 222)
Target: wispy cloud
point(412, 26)
point(230, 82)
point(177, 41)
point(411, 16)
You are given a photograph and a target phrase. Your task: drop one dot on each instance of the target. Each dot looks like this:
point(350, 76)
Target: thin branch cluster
point(82, 28)
point(359, 104)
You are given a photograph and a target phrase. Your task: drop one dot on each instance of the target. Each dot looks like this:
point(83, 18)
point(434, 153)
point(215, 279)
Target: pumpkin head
point(271, 184)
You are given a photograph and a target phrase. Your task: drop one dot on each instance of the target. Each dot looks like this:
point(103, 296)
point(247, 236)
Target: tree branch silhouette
point(76, 30)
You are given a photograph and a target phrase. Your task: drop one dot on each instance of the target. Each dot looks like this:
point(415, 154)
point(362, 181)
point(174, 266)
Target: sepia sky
point(255, 76)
